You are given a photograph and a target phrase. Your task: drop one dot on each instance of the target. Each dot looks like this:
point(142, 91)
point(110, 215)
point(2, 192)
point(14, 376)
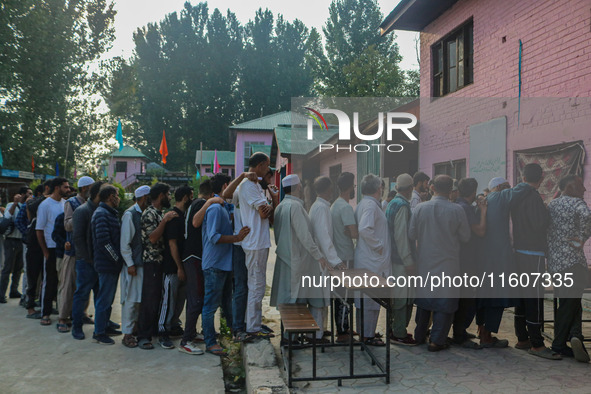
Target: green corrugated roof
point(269, 122)
point(225, 158)
point(128, 151)
point(295, 141)
point(266, 149)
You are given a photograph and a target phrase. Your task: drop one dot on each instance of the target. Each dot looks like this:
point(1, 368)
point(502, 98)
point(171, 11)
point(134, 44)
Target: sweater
point(82, 233)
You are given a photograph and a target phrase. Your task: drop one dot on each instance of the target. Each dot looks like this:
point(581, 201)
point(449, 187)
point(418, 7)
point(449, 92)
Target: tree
point(354, 47)
point(51, 92)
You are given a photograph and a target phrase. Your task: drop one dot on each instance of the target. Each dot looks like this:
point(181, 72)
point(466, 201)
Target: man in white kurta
point(297, 254)
point(132, 273)
point(322, 229)
point(373, 247)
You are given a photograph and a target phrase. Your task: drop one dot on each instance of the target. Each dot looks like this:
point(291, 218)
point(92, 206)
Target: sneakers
point(190, 348)
point(3, 300)
point(267, 330)
point(112, 324)
point(110, 331)
point(165, 342)
point(103, 339)
point(77, 333)
point(16, 294)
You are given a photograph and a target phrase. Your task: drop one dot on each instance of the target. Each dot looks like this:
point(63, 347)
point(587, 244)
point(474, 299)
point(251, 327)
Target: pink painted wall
point(244, 136)
point(556, 79)
point(133, 167)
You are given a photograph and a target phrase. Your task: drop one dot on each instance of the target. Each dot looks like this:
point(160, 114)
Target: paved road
point(36, 359)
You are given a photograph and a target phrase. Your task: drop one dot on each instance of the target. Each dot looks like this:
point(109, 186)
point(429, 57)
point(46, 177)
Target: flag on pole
point(1, 158)
point(163, 148)
point(32, 164)
point(57, 169)
point(197, 175)
point(119, 135)
point(216, 163)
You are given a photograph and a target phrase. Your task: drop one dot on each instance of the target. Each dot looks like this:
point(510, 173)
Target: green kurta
point(297, 255)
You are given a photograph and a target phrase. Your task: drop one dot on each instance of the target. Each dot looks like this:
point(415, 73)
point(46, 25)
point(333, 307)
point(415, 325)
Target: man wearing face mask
point(175, 278)
point(153, 225)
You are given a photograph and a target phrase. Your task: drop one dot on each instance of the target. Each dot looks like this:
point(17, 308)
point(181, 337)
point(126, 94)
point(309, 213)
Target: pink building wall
point(248, 136)
point(134, 166)
point(556, 64)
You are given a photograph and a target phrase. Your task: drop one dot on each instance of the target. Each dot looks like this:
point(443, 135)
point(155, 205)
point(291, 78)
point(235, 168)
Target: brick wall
point(556, 79)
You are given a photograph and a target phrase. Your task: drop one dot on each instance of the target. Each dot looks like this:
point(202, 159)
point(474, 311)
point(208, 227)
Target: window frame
point(463, 37)
point(455, 168)
point(118, 163)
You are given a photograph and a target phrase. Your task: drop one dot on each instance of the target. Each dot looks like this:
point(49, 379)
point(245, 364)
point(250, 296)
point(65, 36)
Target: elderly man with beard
point(373, 248)
point(297, 254)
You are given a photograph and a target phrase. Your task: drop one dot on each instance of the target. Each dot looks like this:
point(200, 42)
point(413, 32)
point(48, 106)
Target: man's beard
point(352, 194)
point(166, 203)
point(264, 184)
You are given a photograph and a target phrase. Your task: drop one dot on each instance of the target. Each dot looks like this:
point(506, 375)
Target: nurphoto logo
point(395, 121)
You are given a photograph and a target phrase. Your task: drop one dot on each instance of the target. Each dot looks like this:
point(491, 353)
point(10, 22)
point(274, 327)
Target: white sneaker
point(190, 348)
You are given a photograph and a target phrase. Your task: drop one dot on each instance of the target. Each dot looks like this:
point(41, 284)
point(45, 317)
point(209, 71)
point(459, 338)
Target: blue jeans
point(215, 282)
point(240, 289)
point(104, 301)
point(86, 280)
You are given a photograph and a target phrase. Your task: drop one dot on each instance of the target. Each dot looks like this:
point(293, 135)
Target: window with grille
point(454, 168)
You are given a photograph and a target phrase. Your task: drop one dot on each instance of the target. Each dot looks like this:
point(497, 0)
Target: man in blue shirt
point(218, 237)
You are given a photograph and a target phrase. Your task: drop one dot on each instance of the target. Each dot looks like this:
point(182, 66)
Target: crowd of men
point(206, 252)
point(211, 252)
point(436, 227)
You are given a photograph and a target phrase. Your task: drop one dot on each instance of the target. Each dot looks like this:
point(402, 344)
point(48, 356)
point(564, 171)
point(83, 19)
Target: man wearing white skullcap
point(297, 253)
point(67, 269)
point(132, 273)
point(498, 184)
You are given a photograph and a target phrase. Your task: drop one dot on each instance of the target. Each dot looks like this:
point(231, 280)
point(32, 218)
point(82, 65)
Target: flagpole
point(67, 151)
point(201, 157)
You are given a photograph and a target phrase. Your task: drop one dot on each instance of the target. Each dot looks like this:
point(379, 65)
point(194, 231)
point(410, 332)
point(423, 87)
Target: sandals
point(496, 343)
point(547, 353)
point(437, 348)
point(129, 341)
point(525, 346)
point(145, 344)
point(375, 341)
point(45, 321)
point(62, 328)
point(217, 350)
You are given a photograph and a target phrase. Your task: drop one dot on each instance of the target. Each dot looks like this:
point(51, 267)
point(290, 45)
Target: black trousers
point(490, 317)
point(49, 289)
point(568, 319)
point(34, 258)
point(13, 264)
point(529, 310)
point(460, 323)
point(151, 298)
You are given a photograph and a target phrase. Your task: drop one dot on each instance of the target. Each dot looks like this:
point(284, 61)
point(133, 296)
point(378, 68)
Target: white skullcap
point(290, 180)
point(496, 182)
point(403, 181)
point(142, 191)
point(85, 181)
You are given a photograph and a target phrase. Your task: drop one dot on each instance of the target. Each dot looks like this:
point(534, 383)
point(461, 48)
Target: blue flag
point(1, 158)
point(119, 135)
point(57, 169)
point(197, 175)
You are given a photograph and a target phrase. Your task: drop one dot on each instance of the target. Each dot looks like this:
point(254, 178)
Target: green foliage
point(33, 185)
point(154, 181)
point(47, 89)
point(195, 184)
point(124, 202)
point(355, 61)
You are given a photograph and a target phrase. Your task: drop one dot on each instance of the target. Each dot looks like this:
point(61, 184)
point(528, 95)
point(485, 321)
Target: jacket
point(106, 240)
point(530, 219)
point(82, 232)
point(59, 236)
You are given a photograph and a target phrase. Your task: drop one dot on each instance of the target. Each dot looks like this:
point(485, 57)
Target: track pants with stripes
point(173, 302)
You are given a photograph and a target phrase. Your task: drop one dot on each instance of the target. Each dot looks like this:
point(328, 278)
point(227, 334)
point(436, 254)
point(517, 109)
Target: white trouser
point(129, 315)
point(256, 264)
point(318, 315)
point(370, 322)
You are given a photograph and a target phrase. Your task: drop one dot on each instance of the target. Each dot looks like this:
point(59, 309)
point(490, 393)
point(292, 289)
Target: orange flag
point(163, 148)
point(32, 164)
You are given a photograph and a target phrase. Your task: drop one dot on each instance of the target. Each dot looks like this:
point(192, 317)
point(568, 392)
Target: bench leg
point(314, 354)
point(388, 329)
point(351, 347)
point(289, 362)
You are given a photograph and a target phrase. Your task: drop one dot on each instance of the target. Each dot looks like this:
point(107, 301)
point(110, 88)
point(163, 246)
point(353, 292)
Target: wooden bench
point(296, 319)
